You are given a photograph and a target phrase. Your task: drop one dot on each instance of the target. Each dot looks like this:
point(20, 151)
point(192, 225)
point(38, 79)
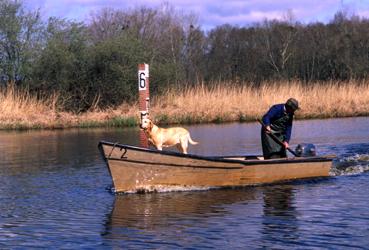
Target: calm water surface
point(54, 194)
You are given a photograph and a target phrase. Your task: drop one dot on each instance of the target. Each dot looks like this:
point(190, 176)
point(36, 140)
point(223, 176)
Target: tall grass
point(18, 109)
point(223, 102)
point(233, 102)
point(21, 110)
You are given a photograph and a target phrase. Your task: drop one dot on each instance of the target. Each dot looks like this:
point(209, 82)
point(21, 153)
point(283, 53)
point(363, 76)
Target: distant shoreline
point(220, 104)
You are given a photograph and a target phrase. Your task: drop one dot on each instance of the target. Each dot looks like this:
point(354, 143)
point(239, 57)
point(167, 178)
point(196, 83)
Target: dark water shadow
point(279, 223)
point(155, 211)
point(158, 212)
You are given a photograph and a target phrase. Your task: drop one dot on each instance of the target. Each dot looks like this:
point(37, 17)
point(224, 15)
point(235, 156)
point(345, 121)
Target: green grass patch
point(218, 119)
point(114, 122)
point(122, 122)
point(20, 126)
point(90, 124)
point(245, 118)
point(162, 119)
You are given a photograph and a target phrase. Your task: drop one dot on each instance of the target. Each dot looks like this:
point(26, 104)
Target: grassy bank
point(223, 103)
point(20, 110)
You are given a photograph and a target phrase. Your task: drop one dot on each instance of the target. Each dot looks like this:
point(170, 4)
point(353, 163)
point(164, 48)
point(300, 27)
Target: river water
point(54, 193)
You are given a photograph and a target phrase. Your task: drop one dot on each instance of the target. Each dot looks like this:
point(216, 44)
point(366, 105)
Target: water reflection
point(280, 215)
point(273, 206)
point(36, 151)
point(157, 210)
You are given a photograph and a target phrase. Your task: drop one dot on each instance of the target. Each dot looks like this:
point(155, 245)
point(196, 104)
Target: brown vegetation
point(232, 103)
point(223, 102)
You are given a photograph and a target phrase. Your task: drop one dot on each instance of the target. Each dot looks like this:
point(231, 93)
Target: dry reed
point(245, 102)
point(19, 109)
point(223, 102)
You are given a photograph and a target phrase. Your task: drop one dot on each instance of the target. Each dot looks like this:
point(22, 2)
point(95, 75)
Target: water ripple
point(350, 165)
point(53, 196)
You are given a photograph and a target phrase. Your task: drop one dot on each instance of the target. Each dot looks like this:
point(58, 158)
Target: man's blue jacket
point(275, 112)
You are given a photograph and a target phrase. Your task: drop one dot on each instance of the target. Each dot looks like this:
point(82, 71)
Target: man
point(278, 121)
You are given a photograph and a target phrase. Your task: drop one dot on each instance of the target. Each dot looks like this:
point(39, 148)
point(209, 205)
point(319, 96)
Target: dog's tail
point(191, 141)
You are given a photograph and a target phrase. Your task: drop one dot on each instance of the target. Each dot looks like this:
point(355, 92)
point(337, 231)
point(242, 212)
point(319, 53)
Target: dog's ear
point(151, 125)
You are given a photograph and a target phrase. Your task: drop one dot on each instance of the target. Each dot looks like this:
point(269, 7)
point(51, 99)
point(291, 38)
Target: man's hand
point(268, 129)
point(285, 144)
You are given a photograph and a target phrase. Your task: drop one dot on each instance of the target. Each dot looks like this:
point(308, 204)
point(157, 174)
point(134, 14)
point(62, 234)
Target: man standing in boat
point(278, 121)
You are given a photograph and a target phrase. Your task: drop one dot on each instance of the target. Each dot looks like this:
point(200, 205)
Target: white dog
point(167, 137)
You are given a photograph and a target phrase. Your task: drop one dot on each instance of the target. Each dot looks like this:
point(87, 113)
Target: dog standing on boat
point(167, 137)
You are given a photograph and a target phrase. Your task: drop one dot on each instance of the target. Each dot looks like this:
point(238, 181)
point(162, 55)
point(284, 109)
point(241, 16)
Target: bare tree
point(278, 41)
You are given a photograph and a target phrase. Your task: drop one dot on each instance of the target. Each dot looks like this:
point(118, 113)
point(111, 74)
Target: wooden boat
point(135, 169)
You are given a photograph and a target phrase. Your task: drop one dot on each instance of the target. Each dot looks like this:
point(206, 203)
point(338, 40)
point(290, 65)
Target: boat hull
point(136, 169)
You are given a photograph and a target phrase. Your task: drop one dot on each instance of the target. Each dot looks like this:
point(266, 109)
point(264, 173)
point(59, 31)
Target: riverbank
point(223, 103)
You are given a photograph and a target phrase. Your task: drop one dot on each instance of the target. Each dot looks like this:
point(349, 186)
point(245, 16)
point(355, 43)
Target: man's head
point(292, 105)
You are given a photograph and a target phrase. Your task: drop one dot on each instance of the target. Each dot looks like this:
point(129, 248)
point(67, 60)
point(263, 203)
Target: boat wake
point(350, 165)
point(162, 189)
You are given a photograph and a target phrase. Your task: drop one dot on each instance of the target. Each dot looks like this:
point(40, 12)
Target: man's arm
point(272, 112)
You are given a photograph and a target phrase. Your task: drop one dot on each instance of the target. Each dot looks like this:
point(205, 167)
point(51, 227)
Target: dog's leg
point(184, 144)
point(180, 149)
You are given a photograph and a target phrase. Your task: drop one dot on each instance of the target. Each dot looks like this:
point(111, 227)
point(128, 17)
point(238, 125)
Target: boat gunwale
point(325, 158)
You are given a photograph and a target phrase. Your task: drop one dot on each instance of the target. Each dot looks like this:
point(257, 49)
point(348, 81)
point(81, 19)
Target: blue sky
point(211, 13)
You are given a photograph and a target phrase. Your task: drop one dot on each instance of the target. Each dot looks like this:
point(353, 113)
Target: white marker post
point(144, 98)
